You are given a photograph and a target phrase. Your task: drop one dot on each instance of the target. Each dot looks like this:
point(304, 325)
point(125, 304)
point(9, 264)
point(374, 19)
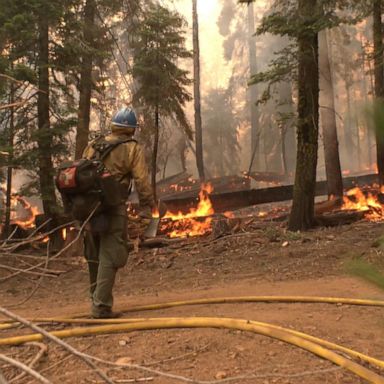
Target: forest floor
point(269, 261)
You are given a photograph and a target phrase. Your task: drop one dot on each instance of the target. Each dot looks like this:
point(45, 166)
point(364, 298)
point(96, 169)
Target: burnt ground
point(265, 261)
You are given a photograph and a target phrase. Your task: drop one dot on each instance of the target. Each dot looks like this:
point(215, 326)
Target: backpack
point(86, 183)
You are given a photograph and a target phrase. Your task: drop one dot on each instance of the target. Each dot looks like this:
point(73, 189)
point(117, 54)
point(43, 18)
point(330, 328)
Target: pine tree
point(379, 81)
point(302, 20)
point(26, 41)
point(328, 117)
point(196, 93)
point(162, 89)
point(221, 143)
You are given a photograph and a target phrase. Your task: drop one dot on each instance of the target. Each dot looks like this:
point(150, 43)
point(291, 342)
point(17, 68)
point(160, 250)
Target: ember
point(189, 225)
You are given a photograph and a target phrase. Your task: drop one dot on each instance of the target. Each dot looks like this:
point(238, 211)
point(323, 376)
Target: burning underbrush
point(197, 222)
point(369, 200)
point(23, 214)
point(366, 203)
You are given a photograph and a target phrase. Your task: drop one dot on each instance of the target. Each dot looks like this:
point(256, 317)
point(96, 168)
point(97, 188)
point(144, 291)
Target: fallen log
point(339, 218)
point(233, 200)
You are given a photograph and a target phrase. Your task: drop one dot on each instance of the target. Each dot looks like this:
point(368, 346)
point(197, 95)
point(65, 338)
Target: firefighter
point(106, 239)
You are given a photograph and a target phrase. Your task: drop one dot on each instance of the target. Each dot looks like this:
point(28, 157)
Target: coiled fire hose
point(314, 345)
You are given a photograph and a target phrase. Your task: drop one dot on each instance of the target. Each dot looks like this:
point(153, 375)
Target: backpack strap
point(103, 148)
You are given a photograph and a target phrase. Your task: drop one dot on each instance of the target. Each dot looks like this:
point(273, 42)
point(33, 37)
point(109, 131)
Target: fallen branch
point(56, 340)
point(2, 379)
point(40, 237)
point(10, 236)
point(42, 351)
point(38, 282)
point(28, 271)
point(63, 249)
point(222, 381)
point(25, 368)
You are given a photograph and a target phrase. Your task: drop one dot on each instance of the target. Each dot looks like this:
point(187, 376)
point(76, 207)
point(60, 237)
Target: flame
point(64, 234)
point(155, 213)
point(32, 213)
point(188, 225)
point(357, 200)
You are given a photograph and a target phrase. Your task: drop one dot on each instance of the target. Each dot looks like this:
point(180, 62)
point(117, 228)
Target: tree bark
point(364, 86)
point(328, 117)
point(44, 139)
point(287, 128)
point(253, 94)
point(154, 154)
point(85, 86)
point(196, 92)
point(379, 81)
point(302, 213)
point(11, 133)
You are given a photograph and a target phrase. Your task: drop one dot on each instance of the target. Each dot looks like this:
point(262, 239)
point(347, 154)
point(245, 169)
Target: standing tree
point(302, 20)
point(328, 117)
point(302, 214)
point(27, 39)
point(44, 136)
point(222, 146)
point(196, 93)
point(379, 81)
point(253, 95)
point(162, 88)
point(85, 85)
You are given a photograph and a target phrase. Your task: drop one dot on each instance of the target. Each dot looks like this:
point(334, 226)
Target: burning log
point(226, 201)
point(196, 222)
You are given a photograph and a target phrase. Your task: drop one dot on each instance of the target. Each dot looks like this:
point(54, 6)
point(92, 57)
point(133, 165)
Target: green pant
point(105, 252)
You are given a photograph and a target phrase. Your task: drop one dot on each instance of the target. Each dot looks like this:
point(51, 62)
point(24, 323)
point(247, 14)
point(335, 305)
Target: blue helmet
point(125, 118)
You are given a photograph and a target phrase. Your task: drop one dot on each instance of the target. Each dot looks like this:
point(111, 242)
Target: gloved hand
point(145, 212)
point(162, 208)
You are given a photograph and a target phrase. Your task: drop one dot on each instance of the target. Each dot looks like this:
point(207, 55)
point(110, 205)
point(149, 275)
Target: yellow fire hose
point(227, 300)
point(207, 322)
point(324, 343)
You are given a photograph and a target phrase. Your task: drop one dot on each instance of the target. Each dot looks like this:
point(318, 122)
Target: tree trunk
point(379, 81)
point(357, 133)
point(288, 135)
point(253, 94)
point(348, 140)
point(85, 86)
point(302, 213)
point(367, 131)
point(283, 134)
point(11, 133)
point(328, 117)
point(196, 92)
point(44, 138)
point(154, 154)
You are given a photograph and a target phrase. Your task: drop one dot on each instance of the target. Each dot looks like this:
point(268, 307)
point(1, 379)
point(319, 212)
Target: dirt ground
point(266, 261)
